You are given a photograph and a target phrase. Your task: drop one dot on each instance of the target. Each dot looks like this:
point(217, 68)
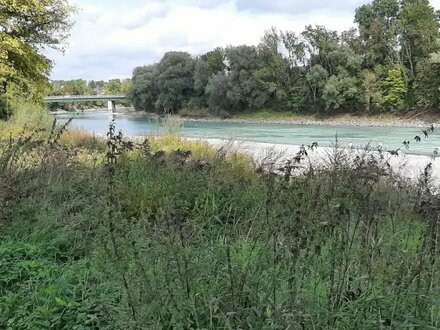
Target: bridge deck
point(83, 98)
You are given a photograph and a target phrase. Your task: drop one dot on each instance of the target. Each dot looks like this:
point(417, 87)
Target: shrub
point(169, 233)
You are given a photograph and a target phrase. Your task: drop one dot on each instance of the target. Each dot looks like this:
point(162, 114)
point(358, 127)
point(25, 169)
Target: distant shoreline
point(416, 120)
point(321, 122)
point(339, 120)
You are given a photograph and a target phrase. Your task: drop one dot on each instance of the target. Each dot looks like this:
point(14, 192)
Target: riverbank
point(416, 119)
point(407, 165)
point(419, 119)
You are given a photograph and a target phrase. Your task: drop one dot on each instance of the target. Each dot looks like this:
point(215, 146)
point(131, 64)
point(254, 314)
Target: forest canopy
point(389, 62)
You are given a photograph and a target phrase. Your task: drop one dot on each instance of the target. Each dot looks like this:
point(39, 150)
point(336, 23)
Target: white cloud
point(298, 7)
point(111, 37)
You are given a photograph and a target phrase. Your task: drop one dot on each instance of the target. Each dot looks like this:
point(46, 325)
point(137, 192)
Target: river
point(286, 134)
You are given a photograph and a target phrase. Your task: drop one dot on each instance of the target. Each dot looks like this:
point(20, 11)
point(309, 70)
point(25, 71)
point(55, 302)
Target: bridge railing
point(82, 98)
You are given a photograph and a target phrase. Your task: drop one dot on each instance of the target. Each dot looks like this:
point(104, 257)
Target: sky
point(112, 37)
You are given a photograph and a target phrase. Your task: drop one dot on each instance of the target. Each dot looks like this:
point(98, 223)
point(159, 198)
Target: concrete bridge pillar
point(111, 106)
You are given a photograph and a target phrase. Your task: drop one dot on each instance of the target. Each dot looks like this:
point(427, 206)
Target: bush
point(25, 118)
point(168, 234)
point(39, 292)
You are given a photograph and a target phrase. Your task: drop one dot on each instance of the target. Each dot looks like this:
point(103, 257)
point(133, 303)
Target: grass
point(151, 236)
point(26, 118)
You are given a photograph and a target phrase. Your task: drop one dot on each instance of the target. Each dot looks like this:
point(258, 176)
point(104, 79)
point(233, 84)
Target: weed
point(167, 233)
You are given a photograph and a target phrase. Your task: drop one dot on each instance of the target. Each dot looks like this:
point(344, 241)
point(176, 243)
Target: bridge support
point(111, 106)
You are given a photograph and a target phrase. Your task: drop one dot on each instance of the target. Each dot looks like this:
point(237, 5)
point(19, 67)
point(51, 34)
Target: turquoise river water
point(293, 134)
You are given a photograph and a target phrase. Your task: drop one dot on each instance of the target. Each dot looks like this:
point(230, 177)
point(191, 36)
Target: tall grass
point(170, 234)
point(25, 117)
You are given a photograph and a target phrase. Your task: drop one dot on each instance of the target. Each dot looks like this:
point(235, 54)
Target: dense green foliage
point(389, 63)
point(137, 238)
point(26, 29)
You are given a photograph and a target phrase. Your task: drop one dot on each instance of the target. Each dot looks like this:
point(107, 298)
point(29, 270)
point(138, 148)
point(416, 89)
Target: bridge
point(111, 99)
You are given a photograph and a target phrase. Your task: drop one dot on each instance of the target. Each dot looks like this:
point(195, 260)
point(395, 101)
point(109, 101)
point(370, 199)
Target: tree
point(273, 72)
point(112, 87)
point(217, 92)
point(96, 86)
point(27, 27)
point(206, 66)
point(93, 86)
point(125, 86)
point(371, 96)
point(320, 42)
point(215, 60)
point(316, 78)
point(351, 39)
point(341, 91)
point(70, 87)
point(343, 58)
point(378, 28)
point(296, 89)
point(118, 86)
point(427, 82)
point(202, 73)
point(175, 81)
point(144, 91)
point(395, 88)
point(245, 92)
point(419, 26)
point(296, 48)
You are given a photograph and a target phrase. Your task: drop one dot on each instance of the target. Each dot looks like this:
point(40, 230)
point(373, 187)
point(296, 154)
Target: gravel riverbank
point(409, 166)
point(359, 122)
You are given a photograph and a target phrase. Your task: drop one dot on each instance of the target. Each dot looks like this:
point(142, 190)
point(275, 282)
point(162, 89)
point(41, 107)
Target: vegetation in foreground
point(124, 235)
